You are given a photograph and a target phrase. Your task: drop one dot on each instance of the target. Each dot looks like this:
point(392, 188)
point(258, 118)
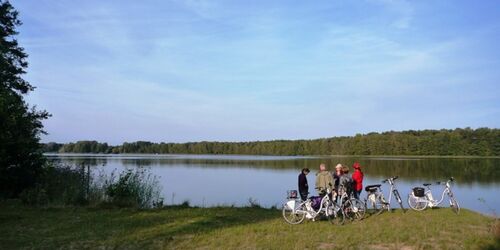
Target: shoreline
point(279, 156)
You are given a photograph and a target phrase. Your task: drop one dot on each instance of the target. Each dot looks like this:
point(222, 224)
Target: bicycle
point(354, 208)
point(294, 211)
point(419, 200)
point(375, 198)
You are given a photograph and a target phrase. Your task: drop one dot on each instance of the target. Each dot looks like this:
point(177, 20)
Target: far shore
point(284, 156)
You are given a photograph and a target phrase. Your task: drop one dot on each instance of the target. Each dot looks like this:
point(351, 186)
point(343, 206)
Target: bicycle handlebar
point(444, 182)
point(392, 178)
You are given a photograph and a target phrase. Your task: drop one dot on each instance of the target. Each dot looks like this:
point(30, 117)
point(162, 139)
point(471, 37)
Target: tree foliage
point(21, 159)
point(457, 142)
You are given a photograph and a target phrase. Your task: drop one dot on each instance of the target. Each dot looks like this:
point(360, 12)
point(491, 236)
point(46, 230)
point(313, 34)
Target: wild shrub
point(58, 185)
point(134, 188)
point(82, 186)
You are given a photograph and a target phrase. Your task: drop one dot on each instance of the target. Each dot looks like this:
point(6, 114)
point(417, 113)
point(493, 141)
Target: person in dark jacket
point(345, 181)
point(336, 176)
point(303, 186)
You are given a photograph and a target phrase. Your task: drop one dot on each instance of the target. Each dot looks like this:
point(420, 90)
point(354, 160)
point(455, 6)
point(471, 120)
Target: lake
point(210, 180)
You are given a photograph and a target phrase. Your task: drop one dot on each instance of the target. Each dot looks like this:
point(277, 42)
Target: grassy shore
point(180, 227)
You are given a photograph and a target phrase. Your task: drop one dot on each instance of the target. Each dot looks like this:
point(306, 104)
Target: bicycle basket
point(419, 191)
point(291, 194)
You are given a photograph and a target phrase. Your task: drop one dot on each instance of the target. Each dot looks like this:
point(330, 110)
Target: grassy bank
point(184, 227)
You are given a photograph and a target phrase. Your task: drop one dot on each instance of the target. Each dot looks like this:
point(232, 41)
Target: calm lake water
point(209, 180)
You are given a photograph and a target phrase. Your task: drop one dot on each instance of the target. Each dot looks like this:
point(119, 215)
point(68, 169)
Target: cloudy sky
point(178, 71)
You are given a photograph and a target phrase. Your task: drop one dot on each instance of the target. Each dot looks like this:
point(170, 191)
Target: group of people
point(338, 178)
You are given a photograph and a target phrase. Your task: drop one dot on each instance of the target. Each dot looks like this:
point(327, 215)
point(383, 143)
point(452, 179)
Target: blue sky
point(178, 71)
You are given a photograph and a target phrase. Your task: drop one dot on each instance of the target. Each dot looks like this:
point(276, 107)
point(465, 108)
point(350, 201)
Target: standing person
point(324, 180)
point(346, 181)
point(336, 175)
point(357, 177)
point(303, 186)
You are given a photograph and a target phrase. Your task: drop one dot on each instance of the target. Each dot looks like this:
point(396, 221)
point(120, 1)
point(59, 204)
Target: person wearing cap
point(324, 180)
point(339, 171)
point(336, 175)
point(357, 177)
point(303, 186)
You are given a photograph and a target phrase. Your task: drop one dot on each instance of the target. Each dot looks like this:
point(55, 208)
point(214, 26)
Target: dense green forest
point(477, 142)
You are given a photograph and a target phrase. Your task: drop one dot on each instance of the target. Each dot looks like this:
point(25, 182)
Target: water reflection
point(465, 170)
point(208, 180)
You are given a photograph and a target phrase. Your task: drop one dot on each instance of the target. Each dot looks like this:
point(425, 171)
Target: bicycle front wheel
point(454, 204)
point(398, 199)
point(416, 203)
point(294, 216)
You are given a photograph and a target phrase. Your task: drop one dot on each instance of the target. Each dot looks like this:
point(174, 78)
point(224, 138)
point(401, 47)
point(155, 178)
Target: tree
point(21, 160)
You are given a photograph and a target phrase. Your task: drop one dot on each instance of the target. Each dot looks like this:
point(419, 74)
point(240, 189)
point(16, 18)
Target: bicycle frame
point(421, 203)
point(343, 195)
point(431, 201)
point(309, 211)
point(392, 190)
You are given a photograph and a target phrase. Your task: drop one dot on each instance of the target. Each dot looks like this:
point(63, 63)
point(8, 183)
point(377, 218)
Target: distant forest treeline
point(474, 142)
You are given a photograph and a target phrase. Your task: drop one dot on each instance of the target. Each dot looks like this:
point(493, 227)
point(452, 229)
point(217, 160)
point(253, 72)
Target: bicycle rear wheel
point(358, 209)
point(353, 209)
point(292, 216)
point(416, 203)
point(374, 204)
point(335, 214)
point(454, 204)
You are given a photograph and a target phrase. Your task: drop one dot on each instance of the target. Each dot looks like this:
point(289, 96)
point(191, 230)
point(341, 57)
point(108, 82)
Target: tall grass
point(133, 188)
point(63, 185)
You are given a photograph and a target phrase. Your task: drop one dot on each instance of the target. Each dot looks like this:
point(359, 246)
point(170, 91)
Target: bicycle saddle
point(372, 187)
point(426, 184)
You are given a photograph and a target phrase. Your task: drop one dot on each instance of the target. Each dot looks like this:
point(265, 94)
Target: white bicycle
point(375, 199)
point(295, 210)
point(354, 209)
point(419, 199)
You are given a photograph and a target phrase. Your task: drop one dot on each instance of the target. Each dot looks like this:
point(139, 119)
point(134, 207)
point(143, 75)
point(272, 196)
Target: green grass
point(237, 228)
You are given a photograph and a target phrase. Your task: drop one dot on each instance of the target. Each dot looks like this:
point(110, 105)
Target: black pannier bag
point(419, 191)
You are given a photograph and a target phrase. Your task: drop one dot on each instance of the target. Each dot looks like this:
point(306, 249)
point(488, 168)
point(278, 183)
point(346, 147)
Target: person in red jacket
point(357, 177)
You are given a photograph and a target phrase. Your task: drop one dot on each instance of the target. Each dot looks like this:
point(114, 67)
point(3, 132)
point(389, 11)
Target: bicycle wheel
point(454, 204)
point(416, 203)
point(335, 214)
point(358, 209)
point(374, 203)
point(351, 210)
point(294, 217)
point(398, 199)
